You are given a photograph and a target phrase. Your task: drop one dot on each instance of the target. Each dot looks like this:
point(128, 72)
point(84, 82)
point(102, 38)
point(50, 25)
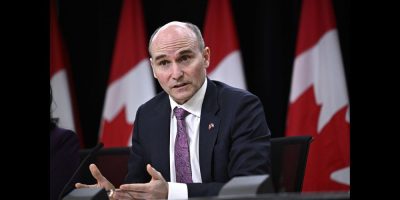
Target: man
point(226, 131)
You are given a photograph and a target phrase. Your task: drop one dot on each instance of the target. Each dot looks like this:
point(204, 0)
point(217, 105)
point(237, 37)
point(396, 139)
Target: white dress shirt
point(193, 106)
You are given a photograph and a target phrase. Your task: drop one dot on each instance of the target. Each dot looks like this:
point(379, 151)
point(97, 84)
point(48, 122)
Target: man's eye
point(188, 57)
point(164, 62)
point(185, 58)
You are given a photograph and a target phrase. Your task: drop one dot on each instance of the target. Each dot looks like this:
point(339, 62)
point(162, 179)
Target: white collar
point(194, 104)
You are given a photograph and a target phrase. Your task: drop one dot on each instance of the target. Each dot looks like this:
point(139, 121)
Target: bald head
point(174, 32)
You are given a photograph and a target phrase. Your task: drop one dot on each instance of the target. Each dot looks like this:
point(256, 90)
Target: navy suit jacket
point(238, 145)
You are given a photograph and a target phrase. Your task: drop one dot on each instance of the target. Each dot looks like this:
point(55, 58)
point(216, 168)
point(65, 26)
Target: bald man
point(225, 128)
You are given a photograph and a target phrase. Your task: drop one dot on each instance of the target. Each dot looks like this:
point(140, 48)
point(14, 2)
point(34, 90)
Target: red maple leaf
point(329, 150)
point(116, 133)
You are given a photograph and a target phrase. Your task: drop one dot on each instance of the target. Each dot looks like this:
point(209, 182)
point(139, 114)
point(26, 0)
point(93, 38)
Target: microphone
point(93, 151)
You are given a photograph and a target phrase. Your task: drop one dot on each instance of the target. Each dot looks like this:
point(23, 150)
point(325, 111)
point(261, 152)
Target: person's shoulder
point(160, 98)
point(62, 131)
point(59, 136)
point(228, 90)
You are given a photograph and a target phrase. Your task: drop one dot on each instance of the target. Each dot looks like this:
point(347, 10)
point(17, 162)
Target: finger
point(96, 172)
point(137, 187)
point(101, 180)
point(80, 185)
point(138, 195)
point(123, 194)
point(154, 173)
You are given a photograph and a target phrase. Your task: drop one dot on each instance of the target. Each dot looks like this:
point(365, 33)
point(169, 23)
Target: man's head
point(179, 59)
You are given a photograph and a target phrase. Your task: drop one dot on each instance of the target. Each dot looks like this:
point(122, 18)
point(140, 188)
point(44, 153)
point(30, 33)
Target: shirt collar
point(194, 104)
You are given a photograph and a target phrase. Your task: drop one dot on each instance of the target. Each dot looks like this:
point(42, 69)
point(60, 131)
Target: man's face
point(177, 62)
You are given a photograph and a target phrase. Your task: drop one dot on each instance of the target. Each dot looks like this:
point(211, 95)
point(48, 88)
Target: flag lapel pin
point(210, 126)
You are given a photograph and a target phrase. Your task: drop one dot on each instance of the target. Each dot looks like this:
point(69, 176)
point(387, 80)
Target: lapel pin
point(210, 126)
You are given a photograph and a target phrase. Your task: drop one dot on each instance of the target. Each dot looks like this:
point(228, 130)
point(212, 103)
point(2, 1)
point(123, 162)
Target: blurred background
point(266, 32)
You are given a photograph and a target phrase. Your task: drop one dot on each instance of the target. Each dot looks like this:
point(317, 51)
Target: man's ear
point(206, 56)
point(152, 67)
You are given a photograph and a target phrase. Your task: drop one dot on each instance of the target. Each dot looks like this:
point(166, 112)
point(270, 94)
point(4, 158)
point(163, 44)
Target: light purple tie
point(182, 154)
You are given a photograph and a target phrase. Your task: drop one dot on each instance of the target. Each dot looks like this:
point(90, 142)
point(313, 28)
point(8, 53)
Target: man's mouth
point(180, 85)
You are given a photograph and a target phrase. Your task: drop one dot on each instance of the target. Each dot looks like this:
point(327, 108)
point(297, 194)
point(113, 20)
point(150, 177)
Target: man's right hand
point(102, 182)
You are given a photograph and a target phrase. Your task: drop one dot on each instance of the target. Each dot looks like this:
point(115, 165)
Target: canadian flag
point(220, 36)
point(131, 81)
point(63, 104)
point(319, 103)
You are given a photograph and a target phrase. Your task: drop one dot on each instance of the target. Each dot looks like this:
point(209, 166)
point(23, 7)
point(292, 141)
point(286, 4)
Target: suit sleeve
point(249, 145)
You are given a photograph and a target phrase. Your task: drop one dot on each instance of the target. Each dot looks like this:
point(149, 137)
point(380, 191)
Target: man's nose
point(177, 72)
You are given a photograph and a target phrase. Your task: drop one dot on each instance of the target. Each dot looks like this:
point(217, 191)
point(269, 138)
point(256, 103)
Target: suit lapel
point(209, 126)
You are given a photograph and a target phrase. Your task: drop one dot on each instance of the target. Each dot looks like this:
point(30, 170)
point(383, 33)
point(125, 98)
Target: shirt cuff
point(177, 191)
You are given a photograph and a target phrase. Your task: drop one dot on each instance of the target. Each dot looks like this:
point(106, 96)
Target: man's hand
point(102, 182)
point(157, 188)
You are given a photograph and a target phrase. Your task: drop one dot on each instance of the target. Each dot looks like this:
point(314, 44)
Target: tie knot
point(180, 113)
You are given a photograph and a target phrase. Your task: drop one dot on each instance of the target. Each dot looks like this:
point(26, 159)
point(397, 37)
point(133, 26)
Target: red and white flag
point(220, 35)
point(63, 104)
point(319, 104)
point(131, 80)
